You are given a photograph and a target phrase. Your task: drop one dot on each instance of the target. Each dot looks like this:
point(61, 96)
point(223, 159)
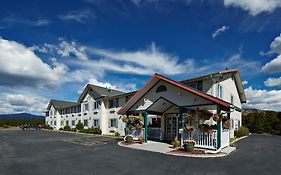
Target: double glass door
point(171, 126)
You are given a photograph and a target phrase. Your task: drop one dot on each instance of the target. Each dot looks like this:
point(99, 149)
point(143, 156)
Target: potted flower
point(189, 145)
point(189, 128)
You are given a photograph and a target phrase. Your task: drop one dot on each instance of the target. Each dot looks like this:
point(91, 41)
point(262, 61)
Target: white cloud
point(65, 49)
point(78, 16)
point(128, 87)
point(237, 62)
point(219, 31)
point(263, 99)
point(273, 66)
point(21, 67)
point(254, 7)
point(275, 46)
point(12, 20)
point(244, 82)
point(16, 103)
point(145, 62)
point(270, 82)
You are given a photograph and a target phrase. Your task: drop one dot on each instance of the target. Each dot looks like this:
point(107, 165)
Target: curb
point(240, 138)
point(182, 155)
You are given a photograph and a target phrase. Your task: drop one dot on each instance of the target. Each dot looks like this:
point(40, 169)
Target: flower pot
point(189, 147)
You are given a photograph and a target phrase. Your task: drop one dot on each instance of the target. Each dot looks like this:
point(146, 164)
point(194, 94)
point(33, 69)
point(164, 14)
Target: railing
point(225, 141)
point(203, 139)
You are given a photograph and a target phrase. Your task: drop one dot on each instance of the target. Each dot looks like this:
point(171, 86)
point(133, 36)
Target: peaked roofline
point(173, 82)
point(237, 79)
point(69, 103)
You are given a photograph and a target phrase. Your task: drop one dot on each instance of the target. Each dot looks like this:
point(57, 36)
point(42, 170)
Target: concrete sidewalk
point(165, 148)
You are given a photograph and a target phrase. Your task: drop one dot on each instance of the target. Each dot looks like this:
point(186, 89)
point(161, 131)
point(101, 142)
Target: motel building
point(211, 104)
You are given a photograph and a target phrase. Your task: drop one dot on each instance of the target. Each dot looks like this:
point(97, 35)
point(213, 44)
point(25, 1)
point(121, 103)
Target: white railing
point(203, 139)
point(225, 141)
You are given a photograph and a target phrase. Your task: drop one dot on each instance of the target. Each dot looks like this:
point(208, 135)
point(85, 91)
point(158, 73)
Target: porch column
point(145, 126)
point(180, 125)
point(219, 129)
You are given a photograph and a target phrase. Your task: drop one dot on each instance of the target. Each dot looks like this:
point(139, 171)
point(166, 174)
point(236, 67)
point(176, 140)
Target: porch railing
point(203, 139)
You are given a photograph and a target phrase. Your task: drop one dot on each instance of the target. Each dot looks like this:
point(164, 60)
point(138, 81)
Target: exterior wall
point(228, 85)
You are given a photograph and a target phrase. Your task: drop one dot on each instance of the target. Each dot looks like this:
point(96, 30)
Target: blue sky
point(51, 49)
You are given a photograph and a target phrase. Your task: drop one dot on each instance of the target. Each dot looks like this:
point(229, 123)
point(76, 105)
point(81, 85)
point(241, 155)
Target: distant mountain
point(20, 116)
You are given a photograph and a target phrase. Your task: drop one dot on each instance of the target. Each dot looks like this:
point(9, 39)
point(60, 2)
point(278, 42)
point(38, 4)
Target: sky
point(52, 49)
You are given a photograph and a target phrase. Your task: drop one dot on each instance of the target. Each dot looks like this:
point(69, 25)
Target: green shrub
point(129, 139)
point(141, 140)
point(91, 131)
point(117, 134)
point(67, 128)
point(73, 129)
point(242, 131)
point(79, 126)
point(175, 143)
point(47, 127)
point(61, 129)
point(5, 126)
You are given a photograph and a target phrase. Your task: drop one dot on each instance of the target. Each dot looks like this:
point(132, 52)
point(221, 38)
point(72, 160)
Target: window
point(113, 123)
point(61, 123)
point(219, 91)
point(85, 122)
point(96, 123)
point(113, 103)
point(51, 122)
point(231, 99)
point(97, 104)
point(86, 107)
point(161, 88)
point(239, 124)
point(196, 85)
point(73, 122)
point(55, 122)
point(66, 123)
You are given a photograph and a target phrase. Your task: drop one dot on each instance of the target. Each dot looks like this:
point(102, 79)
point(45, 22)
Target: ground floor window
point(113, 123)
point(85, 122)
point(55, 122)
point(51, 122)
point(73, 122)
point(61, 123)
point(66, 123)
point(96, 123)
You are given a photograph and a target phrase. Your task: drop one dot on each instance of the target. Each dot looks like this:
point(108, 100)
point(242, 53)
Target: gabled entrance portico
point(177, 106)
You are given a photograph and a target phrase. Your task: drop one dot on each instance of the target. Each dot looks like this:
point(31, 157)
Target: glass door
point(171, 127)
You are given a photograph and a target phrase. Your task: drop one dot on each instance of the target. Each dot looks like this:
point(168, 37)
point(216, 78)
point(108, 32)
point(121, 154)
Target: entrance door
point(171, 127)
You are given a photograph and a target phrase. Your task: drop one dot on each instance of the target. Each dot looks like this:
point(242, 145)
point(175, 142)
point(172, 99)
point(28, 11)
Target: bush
point(67, 128)
point(175, 143)
point(73, 129)
point(5, 126)
point(129, 139)
point(79, 126)
point(61, 129)
point(47, 127)
point(141, 140)
point(91, 131)
point(117, 134)
point(242, 131)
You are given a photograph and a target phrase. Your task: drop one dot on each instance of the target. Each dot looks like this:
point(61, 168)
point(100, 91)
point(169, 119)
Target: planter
point(189, 146)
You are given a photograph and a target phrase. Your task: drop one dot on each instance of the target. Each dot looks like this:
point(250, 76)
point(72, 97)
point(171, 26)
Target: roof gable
point(155, 79)
point(98, 92)
point(60, 104)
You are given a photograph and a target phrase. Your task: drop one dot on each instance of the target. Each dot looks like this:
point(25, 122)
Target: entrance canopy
point(160, 94)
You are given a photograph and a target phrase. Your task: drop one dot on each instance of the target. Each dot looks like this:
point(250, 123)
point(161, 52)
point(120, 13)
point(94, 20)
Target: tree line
point(263, 122)
point(22, 121)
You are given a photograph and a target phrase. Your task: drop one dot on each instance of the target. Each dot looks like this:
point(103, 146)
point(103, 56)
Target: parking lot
point(48, 152)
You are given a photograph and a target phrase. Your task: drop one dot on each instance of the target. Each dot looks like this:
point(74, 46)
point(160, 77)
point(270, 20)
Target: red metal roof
point(194, 91)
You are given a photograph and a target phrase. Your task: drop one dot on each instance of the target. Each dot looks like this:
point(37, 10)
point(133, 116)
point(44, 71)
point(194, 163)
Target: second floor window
point(113, 103)
point(219, 91)
point(113, 123)
point(86, 107)
point(97, 104)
